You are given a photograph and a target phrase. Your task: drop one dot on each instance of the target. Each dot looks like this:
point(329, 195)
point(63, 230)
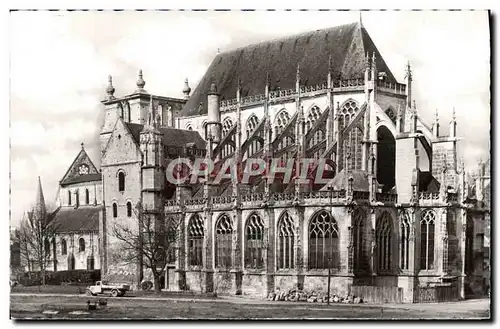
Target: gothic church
point(396, 212)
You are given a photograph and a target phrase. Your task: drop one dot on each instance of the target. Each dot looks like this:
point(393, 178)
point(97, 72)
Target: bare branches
point(150, 239)
point(36, 238)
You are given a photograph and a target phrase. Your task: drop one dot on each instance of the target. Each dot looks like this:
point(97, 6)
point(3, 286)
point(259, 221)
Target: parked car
point(103, 287)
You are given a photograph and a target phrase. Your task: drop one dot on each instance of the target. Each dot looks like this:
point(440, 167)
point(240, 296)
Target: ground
point(74, 306)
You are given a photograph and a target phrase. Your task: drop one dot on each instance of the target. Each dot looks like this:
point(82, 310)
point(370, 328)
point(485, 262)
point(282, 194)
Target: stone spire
point(40, 210)
point(297, 78)
point(435, 126)
point(151, 120)
point(110, 90)
point(186, 90)
point(453, 124)
point(140, 83)
point(408, 80)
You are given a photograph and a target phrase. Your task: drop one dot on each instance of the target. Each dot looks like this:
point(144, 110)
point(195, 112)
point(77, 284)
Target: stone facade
point(406, 231)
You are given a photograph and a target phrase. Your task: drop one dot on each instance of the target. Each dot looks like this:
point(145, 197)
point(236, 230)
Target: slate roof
point(347, 45)
point(83, 218)
point(171, 136)
point(81, 179)
point(428, 183)
point(339, 182)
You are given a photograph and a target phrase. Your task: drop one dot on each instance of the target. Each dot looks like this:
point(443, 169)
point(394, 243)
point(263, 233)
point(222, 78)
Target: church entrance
point(386, 159)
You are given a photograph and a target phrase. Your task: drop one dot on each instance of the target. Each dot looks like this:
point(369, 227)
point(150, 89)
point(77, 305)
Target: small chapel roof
point(346, 45)
point(83, 218)
point(171, 136)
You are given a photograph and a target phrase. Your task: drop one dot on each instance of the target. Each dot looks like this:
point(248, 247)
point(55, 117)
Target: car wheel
point(89, 293)
point(114, 293)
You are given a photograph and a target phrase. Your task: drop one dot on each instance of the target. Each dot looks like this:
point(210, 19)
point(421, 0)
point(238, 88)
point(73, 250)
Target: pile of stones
point(295, 295)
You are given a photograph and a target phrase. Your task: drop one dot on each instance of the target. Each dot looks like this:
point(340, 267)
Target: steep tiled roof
point(171, 136)
point(82, 178)
point(339, 182)
point(346, 44)
point(83, 218)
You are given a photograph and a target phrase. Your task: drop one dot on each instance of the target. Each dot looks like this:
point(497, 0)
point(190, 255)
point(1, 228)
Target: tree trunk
point(157, 281)
point(43, 275)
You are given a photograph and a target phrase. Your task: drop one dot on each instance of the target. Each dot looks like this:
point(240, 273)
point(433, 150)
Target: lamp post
point(330, 189)
point(329, 278)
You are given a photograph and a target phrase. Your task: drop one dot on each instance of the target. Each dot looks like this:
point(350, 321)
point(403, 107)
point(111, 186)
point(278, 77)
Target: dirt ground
point(52, 306)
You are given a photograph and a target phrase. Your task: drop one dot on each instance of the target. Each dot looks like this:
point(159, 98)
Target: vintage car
point(103, 287)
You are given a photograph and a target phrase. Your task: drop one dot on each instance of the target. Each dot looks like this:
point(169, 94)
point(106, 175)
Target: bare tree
point(150, 240)
point(36, 238)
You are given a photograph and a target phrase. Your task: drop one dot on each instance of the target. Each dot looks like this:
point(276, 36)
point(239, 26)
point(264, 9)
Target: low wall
point(378, 294)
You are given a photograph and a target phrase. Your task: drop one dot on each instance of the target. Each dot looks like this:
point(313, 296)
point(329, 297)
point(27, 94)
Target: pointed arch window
point(312, 117)
point(255, 145)
point(323, 242)
point(223, 242)
point(87, 196)
point(281, 121)
point(81, 245)
point(384, 242)
point(360, 258)
point(228, 149)
point(254, 242)
point(129, 209)
point(115, 210)
point(196, 238)
point(121, 181)
point(405, 227)
point(427, 226)
point(347, 113)
point(227, 124)
point(64, 247)
point(286, 242)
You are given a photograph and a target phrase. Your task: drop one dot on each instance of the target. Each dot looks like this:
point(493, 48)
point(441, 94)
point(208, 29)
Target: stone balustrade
point(387, 197)
point(360, 195)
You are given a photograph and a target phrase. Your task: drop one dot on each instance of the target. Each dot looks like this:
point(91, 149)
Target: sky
point(60, 61)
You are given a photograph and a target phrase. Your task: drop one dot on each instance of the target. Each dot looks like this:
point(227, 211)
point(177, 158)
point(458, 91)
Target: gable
point(89, 172)
point(121, 146)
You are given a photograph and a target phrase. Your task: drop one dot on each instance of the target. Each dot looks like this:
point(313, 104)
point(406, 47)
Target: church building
point(395, 213)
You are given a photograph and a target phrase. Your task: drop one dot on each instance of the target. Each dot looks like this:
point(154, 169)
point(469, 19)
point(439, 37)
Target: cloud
point(60, 61)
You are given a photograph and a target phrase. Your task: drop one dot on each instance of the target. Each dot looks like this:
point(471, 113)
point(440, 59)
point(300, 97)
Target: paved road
point(74, 306)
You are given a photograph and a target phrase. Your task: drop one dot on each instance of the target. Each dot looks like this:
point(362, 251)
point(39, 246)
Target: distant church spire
point(40, 211)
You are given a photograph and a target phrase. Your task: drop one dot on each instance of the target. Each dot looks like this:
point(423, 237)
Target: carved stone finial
point(140, 82)
point(213, 88)
point(110, 90)
point(454, 114)
point(408, 73)
point(436, 117)
point(298, 72)
point(186, 90)
point(82, 145)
